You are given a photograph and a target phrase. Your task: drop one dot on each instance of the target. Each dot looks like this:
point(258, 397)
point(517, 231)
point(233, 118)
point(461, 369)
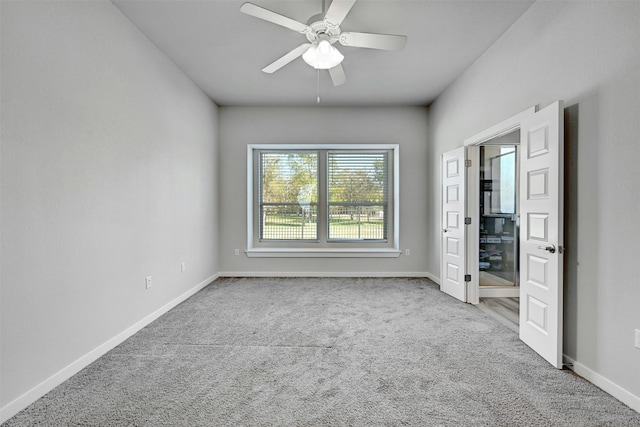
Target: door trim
point(473, 208)
point(502, 128)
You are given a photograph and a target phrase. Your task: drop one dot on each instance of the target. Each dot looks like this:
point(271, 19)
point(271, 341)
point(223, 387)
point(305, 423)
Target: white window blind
point(358, 195)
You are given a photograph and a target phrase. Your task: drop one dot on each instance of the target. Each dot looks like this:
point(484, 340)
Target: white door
point(541, 232)
point(452, 270)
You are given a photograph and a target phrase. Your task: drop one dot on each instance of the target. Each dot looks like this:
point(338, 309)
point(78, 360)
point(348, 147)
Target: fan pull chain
point(318, 98)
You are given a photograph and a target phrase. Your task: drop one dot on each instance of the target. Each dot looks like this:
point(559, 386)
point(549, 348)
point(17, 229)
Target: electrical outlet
point(638, 338)
point(148, 282)
point(407, 252)
point(183, 267)
point(237, 252)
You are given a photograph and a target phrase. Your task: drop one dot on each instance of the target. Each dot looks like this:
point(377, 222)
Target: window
point(288, 196)
point(322, 200)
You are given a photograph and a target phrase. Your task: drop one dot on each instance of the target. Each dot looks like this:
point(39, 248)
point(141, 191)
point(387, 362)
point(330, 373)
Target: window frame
point(323, 247)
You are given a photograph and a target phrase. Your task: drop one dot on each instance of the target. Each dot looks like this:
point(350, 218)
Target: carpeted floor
point(325, 352)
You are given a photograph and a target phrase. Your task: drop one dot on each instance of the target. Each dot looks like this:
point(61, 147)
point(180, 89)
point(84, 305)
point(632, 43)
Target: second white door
point(453, 261)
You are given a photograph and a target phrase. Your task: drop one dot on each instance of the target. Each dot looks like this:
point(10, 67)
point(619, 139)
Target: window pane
point(358, 195)
point(507, 179)
point(288, 195)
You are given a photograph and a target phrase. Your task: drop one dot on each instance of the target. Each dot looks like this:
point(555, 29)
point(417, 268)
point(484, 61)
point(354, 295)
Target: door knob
point(444, 230)
point(550, 248)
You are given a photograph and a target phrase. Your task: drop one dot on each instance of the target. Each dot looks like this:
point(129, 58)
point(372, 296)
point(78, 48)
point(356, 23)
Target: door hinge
point(467, 220)
point(467, 163)
point(467, 277)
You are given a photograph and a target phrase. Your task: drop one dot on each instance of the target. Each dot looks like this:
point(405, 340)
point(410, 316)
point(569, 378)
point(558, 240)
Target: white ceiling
point(224, 50)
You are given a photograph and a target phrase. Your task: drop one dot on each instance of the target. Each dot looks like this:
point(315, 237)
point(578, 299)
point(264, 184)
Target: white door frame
point(473, 207)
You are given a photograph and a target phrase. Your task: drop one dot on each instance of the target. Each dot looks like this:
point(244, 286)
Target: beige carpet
point(325, 352)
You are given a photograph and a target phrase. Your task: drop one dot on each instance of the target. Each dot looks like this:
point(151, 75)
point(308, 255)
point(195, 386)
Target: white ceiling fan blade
point(281, 62)
point(276, 18)
point(337, 11)
point(337, 75)
point(373, 41)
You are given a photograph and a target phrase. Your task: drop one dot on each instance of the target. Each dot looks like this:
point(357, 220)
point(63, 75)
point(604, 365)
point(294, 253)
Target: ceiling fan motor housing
point(322, 28)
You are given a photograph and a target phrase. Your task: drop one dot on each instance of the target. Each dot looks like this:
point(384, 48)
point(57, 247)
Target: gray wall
point(404, 126)
point(107, 172)
point(585, 53)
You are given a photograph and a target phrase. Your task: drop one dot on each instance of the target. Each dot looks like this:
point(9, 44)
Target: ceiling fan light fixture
point(322, 55)
point(324, 47)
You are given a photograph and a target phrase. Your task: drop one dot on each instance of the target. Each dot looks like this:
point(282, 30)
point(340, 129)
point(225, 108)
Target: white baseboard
point(605, 384)
point(323, 274)
point(20, 403)
point(433, 278)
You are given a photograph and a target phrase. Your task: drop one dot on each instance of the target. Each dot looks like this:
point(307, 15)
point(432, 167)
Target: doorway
point(498, 228)
point(494, 230)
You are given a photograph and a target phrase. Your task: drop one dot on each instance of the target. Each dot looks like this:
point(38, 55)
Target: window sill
point(321, 253)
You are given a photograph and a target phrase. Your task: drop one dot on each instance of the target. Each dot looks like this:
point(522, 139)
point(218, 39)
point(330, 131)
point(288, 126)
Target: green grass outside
point(289, 227)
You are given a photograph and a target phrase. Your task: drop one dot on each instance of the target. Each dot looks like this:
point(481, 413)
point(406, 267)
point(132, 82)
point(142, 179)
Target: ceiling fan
point(322, 33)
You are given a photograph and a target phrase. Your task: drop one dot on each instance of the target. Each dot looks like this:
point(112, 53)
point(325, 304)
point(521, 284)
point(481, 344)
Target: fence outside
point(347, 221)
